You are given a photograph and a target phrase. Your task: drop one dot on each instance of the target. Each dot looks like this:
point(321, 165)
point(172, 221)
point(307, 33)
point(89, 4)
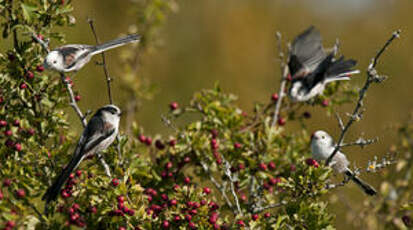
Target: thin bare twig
point(360, 142)
point(270, 206)
point(372, 77)
point(228, 173)
point(284, 74)
point(105, 69)
point(222, 188)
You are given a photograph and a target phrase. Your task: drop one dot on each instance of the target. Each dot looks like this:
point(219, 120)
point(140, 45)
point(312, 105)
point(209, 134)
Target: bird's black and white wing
point(95, 133)
point(306, 53)
point(72, 53)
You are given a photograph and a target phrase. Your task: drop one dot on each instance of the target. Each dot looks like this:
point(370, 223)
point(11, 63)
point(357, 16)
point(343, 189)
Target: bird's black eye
point(323, 137)
point(54, 62)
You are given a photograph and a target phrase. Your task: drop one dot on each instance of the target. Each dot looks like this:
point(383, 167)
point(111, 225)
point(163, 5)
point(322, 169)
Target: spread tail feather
point(368, 189)
point(340, 70)
point(116, 43)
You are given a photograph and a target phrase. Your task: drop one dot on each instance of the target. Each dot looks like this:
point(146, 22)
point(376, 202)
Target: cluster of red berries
point(215, 146)
point(8, 132)
point(122, 209)
point(312, 162)
point(67, 190)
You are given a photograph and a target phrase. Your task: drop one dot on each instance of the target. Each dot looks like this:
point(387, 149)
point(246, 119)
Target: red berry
point(165, 224)
point(312, 162)
point(148, 141)
point(20, 193)
point(31, 131)
point(172, 142)
point(173, 202)
point(187, 180)
point(289, 78)
point(177, 218)
point(120, 199)
point(8, 133)
point(281, 121)
point(159, 145)
point(23, 86)
point(191, 225)
point(173, 105)
point(77, 98)
point(237, 145)
point(254, 217)
point(274, 181)
point(16, 123)
point(207, 190)
point(130, 212)
point(267, 215)
point(39, 36)
point(72, 175)
point(10, 224)
point(121, 227)
point(65, 194)
point(271, 165)
point(325, 103)
point(274, 97)
point(40, 68)
point(142, 138)
point(1, 195)
point(29, 75)
point(262, 166)
point(75, 206)
point(168, 165)
point(92, 209)
point(115, 182)
point(78, 173)
point(241, 166)
point(214, 133)
point(187, 159)
point(188, 217)
point(241, 223)
point(18, 146)
point(164, 197)
point(3, 123)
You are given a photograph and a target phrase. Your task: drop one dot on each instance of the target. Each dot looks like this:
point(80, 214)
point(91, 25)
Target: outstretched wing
point(306, 53)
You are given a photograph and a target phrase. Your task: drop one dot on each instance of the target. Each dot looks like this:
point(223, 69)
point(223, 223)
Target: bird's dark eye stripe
point(111, 110)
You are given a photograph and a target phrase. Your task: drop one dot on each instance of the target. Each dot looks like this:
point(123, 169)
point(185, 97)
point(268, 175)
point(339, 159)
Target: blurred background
point(233, 42)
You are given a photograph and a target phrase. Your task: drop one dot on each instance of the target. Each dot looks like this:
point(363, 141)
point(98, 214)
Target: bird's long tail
point(54, 190)
point(341, 69)
point(115, 43)
point(368, 189)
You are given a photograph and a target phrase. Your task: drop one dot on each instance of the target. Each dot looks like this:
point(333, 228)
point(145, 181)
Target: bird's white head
point(54, 60)
point(111, 113)
point(321, 140)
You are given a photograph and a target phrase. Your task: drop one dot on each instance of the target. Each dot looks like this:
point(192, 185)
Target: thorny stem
point(284, 74)
point(372, 77)
point(108, 82)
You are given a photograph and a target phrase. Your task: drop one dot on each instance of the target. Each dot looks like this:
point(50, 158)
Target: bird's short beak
point(120, 114)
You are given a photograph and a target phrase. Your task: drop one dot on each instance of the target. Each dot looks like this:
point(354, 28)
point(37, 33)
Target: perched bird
point(322, 145)
point(98, 135)
point(312, 69)
point(73, 57)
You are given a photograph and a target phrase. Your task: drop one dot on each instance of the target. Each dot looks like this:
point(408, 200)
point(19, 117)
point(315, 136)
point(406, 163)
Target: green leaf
point(28, 11)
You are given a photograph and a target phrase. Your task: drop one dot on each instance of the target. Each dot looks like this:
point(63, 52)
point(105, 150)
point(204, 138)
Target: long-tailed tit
point(312, 69)
point(73, 57)
point(322, 145)
point(98, 135)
